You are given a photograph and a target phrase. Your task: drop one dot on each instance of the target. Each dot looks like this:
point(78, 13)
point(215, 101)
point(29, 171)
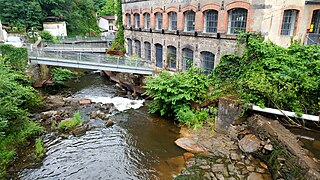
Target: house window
point(137, 20)
point(289, 22)
point(129, 47)
point(207, 61)
point(187, 58)
point(110, 27)
point(237, 21)
point(172, 21)
point(189, 21)
point(147, 51)
point(128, 17)
point(172, 57)
point(146, 20)
point(138, 48)
point(210, 21)
point(158, 21)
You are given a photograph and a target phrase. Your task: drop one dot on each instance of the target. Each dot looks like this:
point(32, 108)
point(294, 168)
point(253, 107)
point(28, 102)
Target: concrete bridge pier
point(40, 74)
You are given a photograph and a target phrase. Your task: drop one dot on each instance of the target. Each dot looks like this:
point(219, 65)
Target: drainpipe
point(285, 113)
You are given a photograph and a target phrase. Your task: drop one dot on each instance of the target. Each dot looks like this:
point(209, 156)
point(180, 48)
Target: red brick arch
point(298, 20)
point(146, 10)
point(189, 8)
point(136, 11)
point(238, 4)
point(156, 10)
point(172, 9)
point(210, 7)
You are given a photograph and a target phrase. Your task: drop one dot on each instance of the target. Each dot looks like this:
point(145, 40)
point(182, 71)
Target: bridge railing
point(91, 58)
point(86, 39)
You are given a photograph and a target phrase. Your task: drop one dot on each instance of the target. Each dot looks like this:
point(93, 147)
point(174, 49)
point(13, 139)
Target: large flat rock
point(190, 145)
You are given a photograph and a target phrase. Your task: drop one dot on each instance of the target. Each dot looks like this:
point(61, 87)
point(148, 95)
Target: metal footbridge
point(91, 61)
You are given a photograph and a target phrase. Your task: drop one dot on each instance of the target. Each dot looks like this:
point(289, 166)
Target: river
point(137, 146)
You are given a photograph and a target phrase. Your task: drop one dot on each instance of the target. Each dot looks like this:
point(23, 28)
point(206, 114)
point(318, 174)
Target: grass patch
point(39, 148)
point(66, 124)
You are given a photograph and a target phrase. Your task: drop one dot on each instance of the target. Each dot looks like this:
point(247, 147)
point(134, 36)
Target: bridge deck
point(91, 61)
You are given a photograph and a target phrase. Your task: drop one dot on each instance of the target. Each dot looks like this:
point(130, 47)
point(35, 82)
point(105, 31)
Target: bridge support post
point(44, 72)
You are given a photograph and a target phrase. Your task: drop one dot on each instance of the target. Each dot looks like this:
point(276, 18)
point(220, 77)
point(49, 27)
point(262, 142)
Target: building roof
point(108, 17)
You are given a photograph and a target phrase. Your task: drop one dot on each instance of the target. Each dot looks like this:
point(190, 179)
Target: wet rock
point(218, 168)
point(231, 167)
point(190, 145)
point(234, 156)
point(55, 101)
point(187, 155)
point(260, 170)
point(95, 123)
point(268, 147)
point(220, 176)
point(250, 168)
point(204, 167)
point(263, 165)
point(109, 123)
point(316, 144)
point(255, 176)
point(79, 130)
point(249, 143)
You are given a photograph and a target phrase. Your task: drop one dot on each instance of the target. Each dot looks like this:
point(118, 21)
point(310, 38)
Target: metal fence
point(91, 57)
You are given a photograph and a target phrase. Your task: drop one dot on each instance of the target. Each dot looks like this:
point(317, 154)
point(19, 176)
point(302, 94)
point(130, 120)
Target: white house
point(3, 34)
point(56, 28)
point(107, 25)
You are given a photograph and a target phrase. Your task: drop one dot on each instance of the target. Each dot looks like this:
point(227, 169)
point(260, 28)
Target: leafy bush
point(71, 123)
point(273, 76)
point(59, 75)
point(39, 148)
point(46, 35)
point(15, 57)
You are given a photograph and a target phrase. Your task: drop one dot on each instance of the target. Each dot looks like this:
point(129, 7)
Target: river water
point(138, 146)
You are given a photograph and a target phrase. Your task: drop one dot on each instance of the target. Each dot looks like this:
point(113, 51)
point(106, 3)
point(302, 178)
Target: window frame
point(146, 17)
point(129, 41)
point(289, 21)
point(128, 18)
point(136, 20)
point(233, 21)
point(173, 20)
point(189, 21)
point(137, 44)
point(159, 19)
point(147, 51)
point(208, 21)
point(207, 58)
point(172, 63)
point(186, 52)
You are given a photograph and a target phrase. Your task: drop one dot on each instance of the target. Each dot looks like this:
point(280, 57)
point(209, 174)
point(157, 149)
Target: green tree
point(108, 8)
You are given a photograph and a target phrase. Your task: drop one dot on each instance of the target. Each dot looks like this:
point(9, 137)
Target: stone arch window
point(138, 48)
point(136, 20)
point(172, 21)
point(189, 21)
point(128, 18)
point(237, 21)
point(187, 58)
point(207, 61)
point(146, 17)
point(129, 41)
point(210, 21)
point(158, 21)
point(172, 57)
point(147, 51)
point(289, 22)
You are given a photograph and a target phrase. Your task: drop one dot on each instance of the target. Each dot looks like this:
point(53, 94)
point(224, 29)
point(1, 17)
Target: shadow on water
point(138, 146)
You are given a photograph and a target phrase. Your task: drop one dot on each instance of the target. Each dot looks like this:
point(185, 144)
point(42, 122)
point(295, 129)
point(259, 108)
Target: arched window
point(289, 22)
point(136, 20)
point(146, 17)
point(138, 47)
point(158, 21)
point(128, 17)
point(189, 21)
point(210, 21)
point(237, 21)
point(129, 47)
point(207, 61)
point(172, 21)
point(187, 58)
point(147, 51)
point(172, 57)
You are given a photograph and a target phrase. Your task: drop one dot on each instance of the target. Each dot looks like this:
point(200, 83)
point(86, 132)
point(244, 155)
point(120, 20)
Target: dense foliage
point(23, 15)
point(17, 97)
point(273, 76)
point(14, 57)
point(59, 75)
point(118, 42)
point(265, 75)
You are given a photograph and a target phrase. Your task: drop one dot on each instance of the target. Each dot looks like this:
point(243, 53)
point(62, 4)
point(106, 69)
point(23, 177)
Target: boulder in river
point(190, 145)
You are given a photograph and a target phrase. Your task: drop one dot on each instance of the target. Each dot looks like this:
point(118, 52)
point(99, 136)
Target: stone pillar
point(44, 72)
point(229, 112)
